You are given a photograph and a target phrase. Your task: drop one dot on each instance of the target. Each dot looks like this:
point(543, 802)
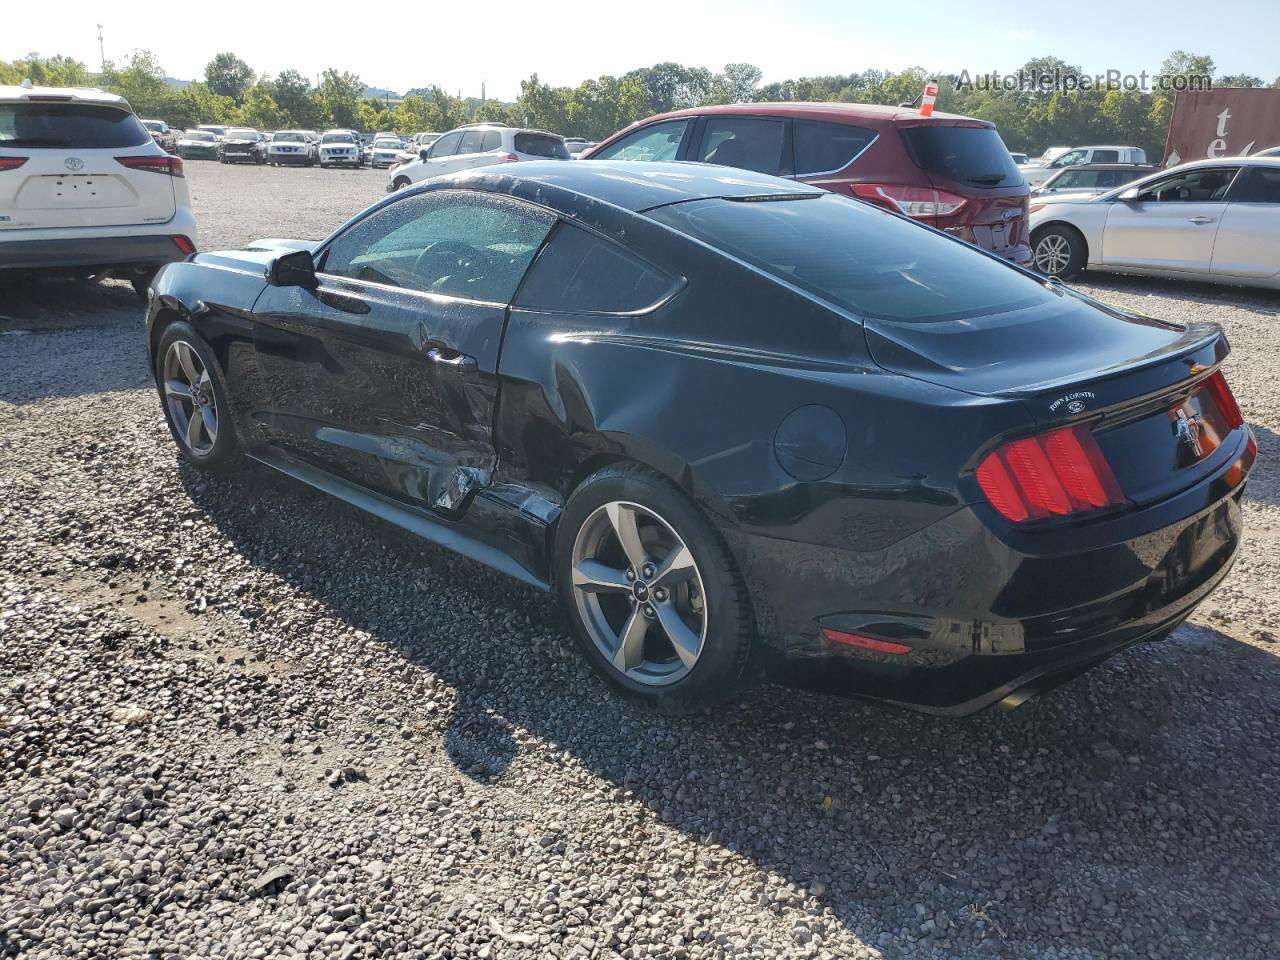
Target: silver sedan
point(1215, 220)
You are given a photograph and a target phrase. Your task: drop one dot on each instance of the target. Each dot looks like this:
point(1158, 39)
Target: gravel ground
point(238, 719)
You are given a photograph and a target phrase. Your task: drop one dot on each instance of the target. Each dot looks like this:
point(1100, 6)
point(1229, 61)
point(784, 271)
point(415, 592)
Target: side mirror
point(423, 153)
point(296, 269)
point(1128, 195)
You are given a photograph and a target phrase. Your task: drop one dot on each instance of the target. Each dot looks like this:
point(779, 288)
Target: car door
point(473, 149)
point(762, 144)
point(1248, 243)
point(1171, 224)
point(386, 372)
point(441, 155)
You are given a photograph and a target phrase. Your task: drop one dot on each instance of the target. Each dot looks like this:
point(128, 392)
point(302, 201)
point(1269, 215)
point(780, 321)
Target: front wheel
point(1058, 251)
point(651, 592)
point(400, 183)
point(194, 393)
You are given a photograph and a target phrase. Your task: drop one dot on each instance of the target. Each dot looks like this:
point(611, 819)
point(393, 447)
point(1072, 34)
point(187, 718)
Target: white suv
point(479, 145)
point(84, 188)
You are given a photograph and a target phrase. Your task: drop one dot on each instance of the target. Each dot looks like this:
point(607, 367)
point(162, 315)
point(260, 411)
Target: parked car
point(198, 145)
point(162, 135)
point(1021, 159)
point(85, 188)
point(292, 146)
point(1214, 220)
point(577, 146)
point(1050, 154)
point(1076, 156)
point(243, 145)
point(948, 171)
point(941, 482)
point(338, 147)
point(218, 130)
point(1092, 178)
point(386, 152)
point(479, 145)
point(1269, 152)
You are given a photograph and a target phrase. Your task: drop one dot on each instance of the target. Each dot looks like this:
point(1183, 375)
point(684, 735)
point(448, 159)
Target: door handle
point(1201, 219)
point(451, 359)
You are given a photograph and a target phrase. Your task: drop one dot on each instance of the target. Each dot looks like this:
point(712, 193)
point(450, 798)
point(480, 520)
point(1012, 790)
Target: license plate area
point(74, 192)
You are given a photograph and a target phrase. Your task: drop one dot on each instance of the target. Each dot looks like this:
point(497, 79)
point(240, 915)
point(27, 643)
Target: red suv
point(951, 172)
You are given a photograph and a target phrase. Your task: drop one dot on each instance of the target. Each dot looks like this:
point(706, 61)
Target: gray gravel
point(241, 720)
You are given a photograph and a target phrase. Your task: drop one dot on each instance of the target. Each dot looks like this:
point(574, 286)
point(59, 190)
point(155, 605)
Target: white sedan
point(385, 152)
point(1214, 220)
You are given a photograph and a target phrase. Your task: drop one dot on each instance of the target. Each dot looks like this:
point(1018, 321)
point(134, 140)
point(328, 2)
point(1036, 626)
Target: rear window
point(578, 272)
point(541, 145)
point(827, 147)
point(859, 258)
point(79, 126)
point(1257, 185)
point(975, 156)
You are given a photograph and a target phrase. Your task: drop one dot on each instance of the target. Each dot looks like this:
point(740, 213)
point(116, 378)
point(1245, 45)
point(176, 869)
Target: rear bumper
point(991, 615)
point(124, 251)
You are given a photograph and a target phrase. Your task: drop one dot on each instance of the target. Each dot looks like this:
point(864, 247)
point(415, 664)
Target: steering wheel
point(444, 248)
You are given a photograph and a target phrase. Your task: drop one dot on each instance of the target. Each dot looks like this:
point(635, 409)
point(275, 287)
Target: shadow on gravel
point(1264, 482)
point(59, 303)
point(1115, 815)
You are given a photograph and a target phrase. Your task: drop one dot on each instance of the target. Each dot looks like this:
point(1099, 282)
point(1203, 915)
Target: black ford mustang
point(733, 421)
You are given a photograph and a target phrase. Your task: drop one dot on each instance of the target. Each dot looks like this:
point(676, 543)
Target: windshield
point(387, 145)
point(204, 135)
point(69, 125)
point(154, 125)
point(337, 138)
point(288, 138)
point(241, 134)
point(974, 156)
point(858, 257)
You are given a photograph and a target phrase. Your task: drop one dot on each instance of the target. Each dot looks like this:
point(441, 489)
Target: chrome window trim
point(848, 163)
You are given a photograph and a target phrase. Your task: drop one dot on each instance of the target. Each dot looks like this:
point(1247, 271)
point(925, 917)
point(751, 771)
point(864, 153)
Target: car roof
point(1109, 166)
point(63, 94)
point(816, 110)
point(632, 185)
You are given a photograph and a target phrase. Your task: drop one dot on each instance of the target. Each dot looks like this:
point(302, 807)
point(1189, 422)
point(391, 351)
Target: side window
point(1070, 158)
point(1068, 179)
point(659, 141)
point(1204, 185)
point(491, 141)
point(472, 141)
point(827, 147)
point(1257, 185)
point(450, 242)
point(446, 146)
point(752, 143)
point(1106, 156)
point(579, 272)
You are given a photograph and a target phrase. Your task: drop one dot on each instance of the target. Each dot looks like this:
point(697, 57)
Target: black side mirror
point(424, 153)
point(296, 269)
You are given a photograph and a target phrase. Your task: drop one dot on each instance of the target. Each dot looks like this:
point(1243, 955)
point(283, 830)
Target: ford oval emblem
point(74, 163)
point(1075, 406)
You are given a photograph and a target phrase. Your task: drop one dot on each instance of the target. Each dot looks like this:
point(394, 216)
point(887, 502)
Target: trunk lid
point(1144, 387)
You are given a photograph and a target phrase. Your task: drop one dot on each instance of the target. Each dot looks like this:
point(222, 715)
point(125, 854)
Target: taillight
point(506, 158)
point(1053, 474)
point(12, 163)
point(1225, 399)
point(913, 201)
point(170, 165)
point(184, 244)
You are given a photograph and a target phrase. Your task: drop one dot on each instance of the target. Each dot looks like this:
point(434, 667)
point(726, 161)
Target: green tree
point(1239, 80)
point(228, 76)
point(55, 71)
point(297, 101)
point(736, 84)
point(260, 109)
point(543, 106)
point(339, 97)
point(140, 81)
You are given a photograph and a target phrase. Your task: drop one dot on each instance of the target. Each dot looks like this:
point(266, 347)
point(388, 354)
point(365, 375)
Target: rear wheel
point(193, 393)
point(653, 596)
point(1058, 251)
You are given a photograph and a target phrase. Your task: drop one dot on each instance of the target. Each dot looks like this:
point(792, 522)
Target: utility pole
point(482, 96)
point(102, 50)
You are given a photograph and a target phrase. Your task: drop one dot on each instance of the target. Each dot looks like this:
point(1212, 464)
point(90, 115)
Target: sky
point(410, 43)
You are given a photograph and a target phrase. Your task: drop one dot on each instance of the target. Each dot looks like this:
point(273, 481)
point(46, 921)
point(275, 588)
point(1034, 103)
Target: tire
point(1059, 251)
point(702, 599)
point(142, 283)
point(218, 449)
point(399, 183)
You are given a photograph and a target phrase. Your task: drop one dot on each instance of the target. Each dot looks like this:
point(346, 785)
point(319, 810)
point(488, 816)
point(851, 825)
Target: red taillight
point(12, 163)
point(506, 158)
point(1051, 475)
point(863, 642)
point(170, 165)
point(913, 201)
point(184, 244)
point(1225, 399)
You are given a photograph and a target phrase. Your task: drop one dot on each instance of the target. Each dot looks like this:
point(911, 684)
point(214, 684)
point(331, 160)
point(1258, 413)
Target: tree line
point(231, 93)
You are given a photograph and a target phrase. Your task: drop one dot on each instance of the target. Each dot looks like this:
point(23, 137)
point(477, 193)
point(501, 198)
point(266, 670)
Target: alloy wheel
point(1053, 253)
point(639, 593)
point(189, 396)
